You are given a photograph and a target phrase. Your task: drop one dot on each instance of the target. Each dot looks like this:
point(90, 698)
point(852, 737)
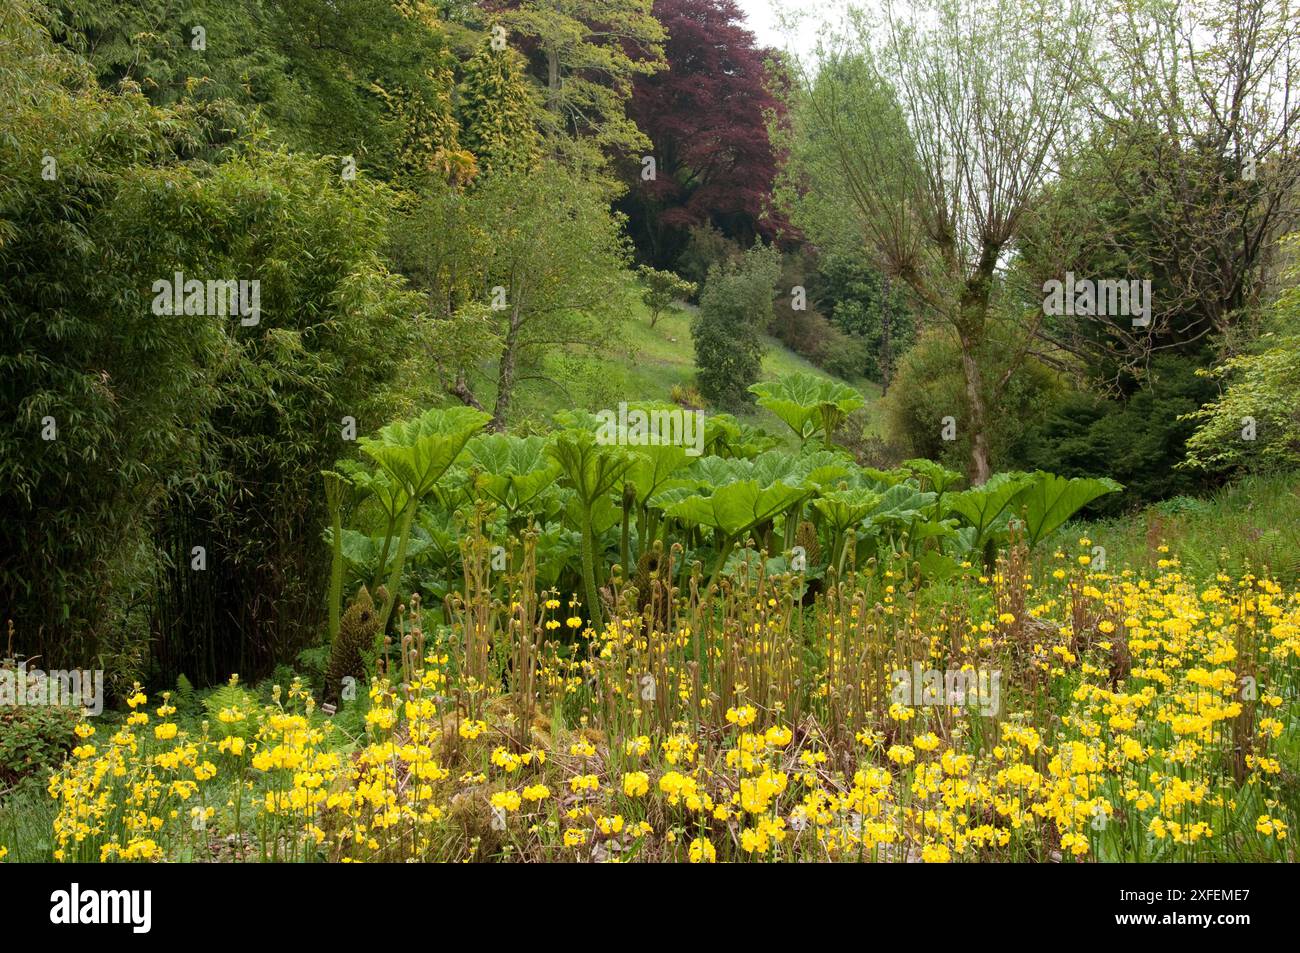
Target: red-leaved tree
point(707, 116)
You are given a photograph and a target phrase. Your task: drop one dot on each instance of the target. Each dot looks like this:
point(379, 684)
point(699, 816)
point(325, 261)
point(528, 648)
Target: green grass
point(645, 365)
point(1252, 524)
point(27, 822)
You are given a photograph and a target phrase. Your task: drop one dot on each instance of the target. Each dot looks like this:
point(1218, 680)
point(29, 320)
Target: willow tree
point(1187, 173)
point(937, 124)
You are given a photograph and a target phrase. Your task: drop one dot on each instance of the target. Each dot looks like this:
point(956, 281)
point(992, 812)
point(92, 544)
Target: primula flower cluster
point(1144, 719)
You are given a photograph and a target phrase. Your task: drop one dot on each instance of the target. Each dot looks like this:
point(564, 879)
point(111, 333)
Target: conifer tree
point(497, 109)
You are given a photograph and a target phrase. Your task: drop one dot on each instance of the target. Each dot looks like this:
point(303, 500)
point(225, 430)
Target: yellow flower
point(701, 852)
point(744, 716)
point(469, 730)
point(676, 786)
point(505, 760)
point(778, 737)
point(901, 754)
point(506, 800)
point(935, 854)
point(1075, 843)
point(636, 783)
point(1266, 825)
point(901, 712)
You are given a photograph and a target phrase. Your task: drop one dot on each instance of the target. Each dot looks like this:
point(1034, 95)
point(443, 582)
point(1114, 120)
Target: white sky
point(763, 18)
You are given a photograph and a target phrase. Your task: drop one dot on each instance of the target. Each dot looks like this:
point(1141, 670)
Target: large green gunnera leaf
point(808, 404)
point(1050, 500)
point(417, 452)
point(982, 505)
point(511, 471)
point(736, 507)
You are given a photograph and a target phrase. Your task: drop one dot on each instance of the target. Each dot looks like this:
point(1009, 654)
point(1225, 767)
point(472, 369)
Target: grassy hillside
point(646, 365)
point(1249, 525)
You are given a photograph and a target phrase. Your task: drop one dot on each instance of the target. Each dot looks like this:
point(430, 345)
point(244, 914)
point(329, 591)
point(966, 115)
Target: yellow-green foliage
point(1254, 422)
point(497, 111)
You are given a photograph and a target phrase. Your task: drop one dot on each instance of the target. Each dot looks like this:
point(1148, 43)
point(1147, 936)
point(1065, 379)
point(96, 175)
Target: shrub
point(929, 386)
point(33, 740)
point(686, 396)
point(1138, 440)
point(1254, 423)
point(735, 308)
point(811, 336)
point(705, 248)
point(856, 435)
point(844, 355)
point(858, 300)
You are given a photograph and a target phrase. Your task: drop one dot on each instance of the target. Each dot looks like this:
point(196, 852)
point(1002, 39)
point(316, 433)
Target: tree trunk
point(506, 377)
point(886, 357)
point(979, 448)
point(461, 390)
point(972, 318)
point(553, 77)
